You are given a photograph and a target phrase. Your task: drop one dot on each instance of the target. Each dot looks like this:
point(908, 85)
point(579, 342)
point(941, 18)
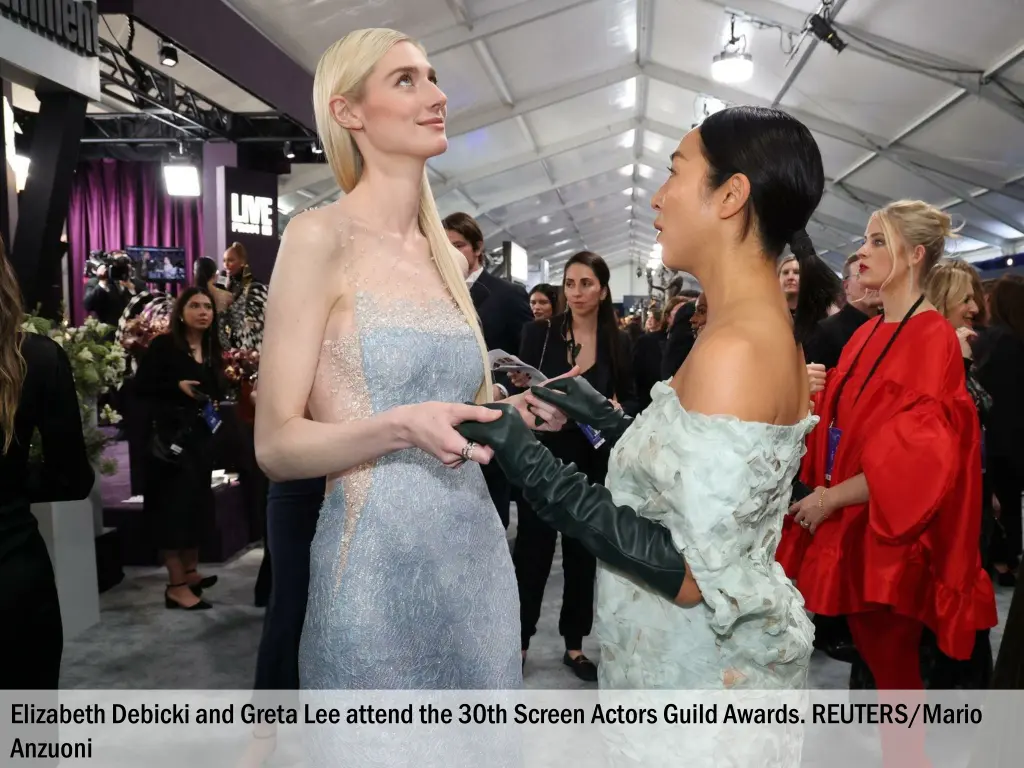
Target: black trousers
point(33, 637)
point(535, 550)
point(1007, 485)
point(1009, 669)
point(293, 509)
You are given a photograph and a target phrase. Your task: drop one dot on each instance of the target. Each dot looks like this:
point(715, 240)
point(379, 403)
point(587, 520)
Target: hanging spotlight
point(729, 67)
point(288, 152)
point(181, 176)
point(168, 54)
point(317, 149)
point(733, 64)
point(822, 29)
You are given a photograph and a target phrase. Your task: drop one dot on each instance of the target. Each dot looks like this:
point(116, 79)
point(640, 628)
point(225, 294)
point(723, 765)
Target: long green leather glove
point(564, 499)
point(578, 400)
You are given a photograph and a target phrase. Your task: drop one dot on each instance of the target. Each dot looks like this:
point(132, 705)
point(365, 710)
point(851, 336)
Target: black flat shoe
point(173, 605)
point(581, 666)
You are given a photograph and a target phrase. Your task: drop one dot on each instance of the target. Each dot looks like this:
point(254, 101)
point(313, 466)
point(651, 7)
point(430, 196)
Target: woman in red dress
point(889, 536)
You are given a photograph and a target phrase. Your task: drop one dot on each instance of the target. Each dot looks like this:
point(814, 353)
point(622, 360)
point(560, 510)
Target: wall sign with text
point(252, 215)
point(73, 24)
point(247, 213)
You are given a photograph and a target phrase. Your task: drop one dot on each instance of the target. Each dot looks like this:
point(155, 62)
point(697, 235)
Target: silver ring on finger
point(805, 523)
point(467, 451)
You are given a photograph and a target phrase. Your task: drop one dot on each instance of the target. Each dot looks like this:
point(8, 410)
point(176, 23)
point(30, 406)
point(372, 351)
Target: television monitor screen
point(159, 265)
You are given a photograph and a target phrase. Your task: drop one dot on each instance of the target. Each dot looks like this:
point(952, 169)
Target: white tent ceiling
point(562, 113)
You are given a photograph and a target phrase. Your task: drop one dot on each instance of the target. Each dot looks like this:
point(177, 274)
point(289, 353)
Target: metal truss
point(132, 82)
point(161, 110)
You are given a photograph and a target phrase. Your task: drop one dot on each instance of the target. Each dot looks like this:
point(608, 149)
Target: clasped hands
point(432, 426)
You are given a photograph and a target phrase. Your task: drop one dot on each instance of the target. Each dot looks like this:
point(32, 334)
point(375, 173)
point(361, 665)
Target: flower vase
point(66, 528)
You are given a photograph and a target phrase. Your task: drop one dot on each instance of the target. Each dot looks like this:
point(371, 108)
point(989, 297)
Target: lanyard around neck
point(878, 361)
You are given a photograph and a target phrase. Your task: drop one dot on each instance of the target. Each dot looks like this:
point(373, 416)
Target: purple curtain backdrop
point(117, 204)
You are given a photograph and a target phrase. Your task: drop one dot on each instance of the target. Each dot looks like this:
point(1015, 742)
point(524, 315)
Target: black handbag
point(167, 445)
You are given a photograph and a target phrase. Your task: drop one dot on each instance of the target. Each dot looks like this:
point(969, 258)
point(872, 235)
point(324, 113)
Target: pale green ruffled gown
point(722, 486)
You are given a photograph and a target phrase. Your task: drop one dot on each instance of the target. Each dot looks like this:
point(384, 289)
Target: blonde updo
point(913, 223)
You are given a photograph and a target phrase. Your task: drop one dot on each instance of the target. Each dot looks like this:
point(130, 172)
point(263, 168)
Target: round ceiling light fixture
point(733, 64)
point(732, 67)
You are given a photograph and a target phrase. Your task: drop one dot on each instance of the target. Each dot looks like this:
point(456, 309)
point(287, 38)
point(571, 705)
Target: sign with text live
point(252, 215)
point(73, 24)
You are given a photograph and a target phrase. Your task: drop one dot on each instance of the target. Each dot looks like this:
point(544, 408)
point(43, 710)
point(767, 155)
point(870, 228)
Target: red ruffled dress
point(914, 433)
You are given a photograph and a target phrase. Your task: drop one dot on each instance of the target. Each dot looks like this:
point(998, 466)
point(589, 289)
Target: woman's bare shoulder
point(747, 369)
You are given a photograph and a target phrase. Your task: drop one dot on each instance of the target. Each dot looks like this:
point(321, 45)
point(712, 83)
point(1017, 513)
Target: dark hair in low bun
point(819, 286)
point(782, 162)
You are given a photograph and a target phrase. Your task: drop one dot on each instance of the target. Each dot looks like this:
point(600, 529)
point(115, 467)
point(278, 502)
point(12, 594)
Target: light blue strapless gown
point(411, 582)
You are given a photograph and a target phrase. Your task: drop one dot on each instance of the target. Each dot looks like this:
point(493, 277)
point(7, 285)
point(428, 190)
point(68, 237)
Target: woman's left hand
point(816, 374)
point(812, 510)
point(538, 415)
point(966, 336)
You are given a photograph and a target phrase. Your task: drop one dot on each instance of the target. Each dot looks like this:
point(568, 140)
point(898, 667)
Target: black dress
point(179, 499)
point(544, 347)
point(32, 639)
point(999, 366)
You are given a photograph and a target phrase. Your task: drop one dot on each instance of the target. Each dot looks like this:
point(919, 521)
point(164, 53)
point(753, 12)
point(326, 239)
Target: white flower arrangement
point(98, 366)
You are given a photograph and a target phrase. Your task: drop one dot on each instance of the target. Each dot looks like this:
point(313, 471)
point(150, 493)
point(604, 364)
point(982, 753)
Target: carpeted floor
point(140, 644)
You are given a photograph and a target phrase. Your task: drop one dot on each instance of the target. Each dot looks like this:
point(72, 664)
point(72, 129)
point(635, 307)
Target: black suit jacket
point(503, 309)
point(679, 342)
point(826, 343)
point(647, 356)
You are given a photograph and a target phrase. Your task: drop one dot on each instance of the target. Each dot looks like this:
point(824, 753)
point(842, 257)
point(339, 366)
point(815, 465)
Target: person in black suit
point(585, 335)
point(999, 362)
point(832, 333)
point(504, 309)
point(649, 351)
point(680, 339)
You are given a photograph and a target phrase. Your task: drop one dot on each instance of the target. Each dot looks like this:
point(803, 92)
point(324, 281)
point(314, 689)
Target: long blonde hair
point(342, 71)
point(12, 364)
point(914, 223)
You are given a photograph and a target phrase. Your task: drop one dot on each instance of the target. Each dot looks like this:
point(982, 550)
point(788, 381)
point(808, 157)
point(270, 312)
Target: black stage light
point(168, 54)
point(823, 30)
